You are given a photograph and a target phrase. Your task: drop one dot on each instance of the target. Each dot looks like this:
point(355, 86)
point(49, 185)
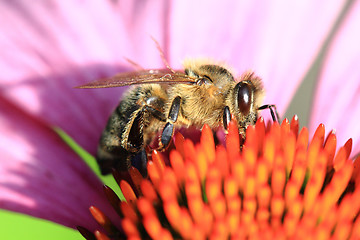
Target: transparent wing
point(141, 77)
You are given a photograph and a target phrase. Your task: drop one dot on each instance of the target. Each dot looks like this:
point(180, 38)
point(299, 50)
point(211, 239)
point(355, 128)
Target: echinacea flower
point(48, 47)
point(278, 185)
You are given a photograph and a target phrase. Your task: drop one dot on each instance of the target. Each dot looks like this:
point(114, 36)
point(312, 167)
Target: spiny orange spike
point(153, 173)
point(356, 172)
point(165, 235)
point(101, 236)
point(250, 186)
point(191, 173)
point(152, 226)
point(262, 173)
point(350, 205)
point(129, 228)
point(102, 219)
point(289, 150)
point(179, 143)
point(315, 183)
point(207, 220)
point(148, 190)
point(269, 151)
point(249, 157)
point(112, 198)
point(207, 142)
point(238, 170)
point(167, 191)
point(330, 148)
point(127, 191)
point(338, 183)
point(279, 234)
point(342, 230)
point(299, 167)
point(278, 177)
point(213, 184)
point(233, 140)
point(232, 222)
point(292, 217)
point(249, 205)
point(240, 233)
point(347, 208)
point(189, 149)
point(275, 132)
point(170, 178)
point(173, 214)
point(320, 133)
point(186, 224)
point(128, 211)
point(277, 208)
point(355, 234)
point(294, 125)
point(201, 162)
point(248, 220)
point(340, 159)
point(158, 161)
point(233, 204)
point(260, 133)
point(291, 192)
point(220, 230)
point(348, 147)
point(177, 164)
point(313, 152)
point(251, 138)
point(221, 160)
point(218, 206)
point(303, 139)
point(136, 177)
point(263, 216)
point(285, 127)
point(264, 195)
point(196, 208)
point(145, 207)
point(322, 232)
point(198, 233)
point(230, 187)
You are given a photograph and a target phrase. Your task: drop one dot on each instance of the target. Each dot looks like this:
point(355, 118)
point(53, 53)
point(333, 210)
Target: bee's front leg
point(226, 118)
point(168, 130)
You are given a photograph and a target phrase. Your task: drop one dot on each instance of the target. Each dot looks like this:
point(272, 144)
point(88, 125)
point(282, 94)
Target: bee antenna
point(134, 64)
point(162, 55)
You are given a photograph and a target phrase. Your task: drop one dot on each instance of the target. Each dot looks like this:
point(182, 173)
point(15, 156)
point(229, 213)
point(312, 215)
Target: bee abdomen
point(112, 152)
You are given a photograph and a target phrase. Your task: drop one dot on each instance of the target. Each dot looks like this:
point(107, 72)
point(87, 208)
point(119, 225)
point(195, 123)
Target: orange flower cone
point(278, 185)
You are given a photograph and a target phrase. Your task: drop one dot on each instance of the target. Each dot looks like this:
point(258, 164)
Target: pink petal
point(277, 39)
point(49, 47)
point(41, 176)
point(337, 99)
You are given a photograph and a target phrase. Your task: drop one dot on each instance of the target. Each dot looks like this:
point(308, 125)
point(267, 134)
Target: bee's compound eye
point(244, 96)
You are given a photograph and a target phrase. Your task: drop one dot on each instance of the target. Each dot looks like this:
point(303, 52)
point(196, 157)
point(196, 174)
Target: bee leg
point(273, 111)
point(226, 118)
point(139, 161)
point(168, 130)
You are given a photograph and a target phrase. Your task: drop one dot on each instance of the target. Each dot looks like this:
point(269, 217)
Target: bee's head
point(245, 99)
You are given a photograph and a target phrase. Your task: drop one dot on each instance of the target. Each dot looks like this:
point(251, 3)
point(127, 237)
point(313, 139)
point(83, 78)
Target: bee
point(164, 99)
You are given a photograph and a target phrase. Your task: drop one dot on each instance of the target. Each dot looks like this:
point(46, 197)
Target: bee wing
point(141, 77)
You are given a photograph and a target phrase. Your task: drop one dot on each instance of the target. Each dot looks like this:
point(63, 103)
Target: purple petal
point(337, 99)
point(41, 176)
point(277, 39)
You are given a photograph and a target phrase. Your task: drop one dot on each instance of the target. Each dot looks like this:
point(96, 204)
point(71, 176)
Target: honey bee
point(204, 93)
